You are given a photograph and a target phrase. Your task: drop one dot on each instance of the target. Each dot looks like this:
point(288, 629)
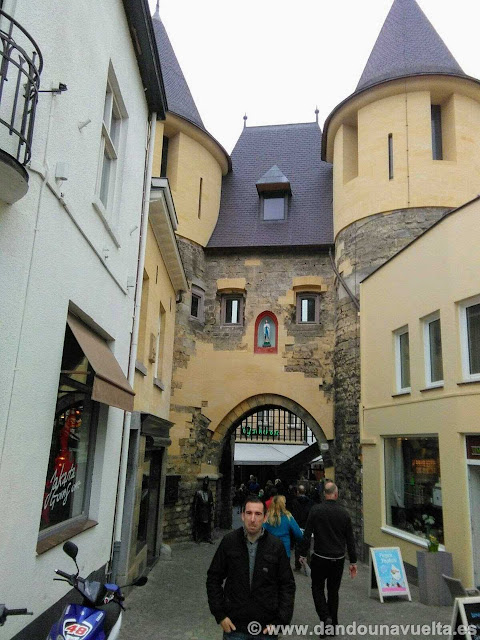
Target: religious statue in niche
point(266, 333)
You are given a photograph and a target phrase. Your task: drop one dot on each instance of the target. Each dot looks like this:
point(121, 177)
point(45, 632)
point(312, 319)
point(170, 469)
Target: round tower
point(403, 155)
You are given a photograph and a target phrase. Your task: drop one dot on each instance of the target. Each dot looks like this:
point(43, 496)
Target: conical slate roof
point(179, 98)
point(295, 150)
point(408, 45)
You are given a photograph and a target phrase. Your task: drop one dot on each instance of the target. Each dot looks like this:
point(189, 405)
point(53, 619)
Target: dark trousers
point(329, 571)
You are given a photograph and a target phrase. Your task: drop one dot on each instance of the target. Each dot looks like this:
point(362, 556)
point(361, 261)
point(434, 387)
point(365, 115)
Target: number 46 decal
point(73, 630)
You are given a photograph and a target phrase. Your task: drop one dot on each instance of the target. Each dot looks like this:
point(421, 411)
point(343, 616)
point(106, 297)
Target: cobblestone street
point(173, 605)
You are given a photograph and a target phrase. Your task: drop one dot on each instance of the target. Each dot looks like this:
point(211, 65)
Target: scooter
point(4, 612)
point(89, 620)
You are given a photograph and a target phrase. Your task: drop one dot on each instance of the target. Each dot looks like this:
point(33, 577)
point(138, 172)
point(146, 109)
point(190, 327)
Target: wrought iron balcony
point(20, 68)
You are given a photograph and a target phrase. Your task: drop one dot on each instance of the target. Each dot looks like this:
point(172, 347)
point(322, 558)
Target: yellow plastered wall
point(435, 273)
point(210, 381)
point(359, 147)
point(149, 396)
point(192, 157)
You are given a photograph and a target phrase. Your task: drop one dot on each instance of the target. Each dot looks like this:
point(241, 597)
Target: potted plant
point(430, 566)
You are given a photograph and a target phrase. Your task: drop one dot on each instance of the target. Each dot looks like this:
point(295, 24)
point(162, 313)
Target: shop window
point(402, 360)
point(197, 304)
point(232, 309)
point(413, 486)
point(266, 333)
point(433, 351)
point(308, 308)
point(70, 465)
point(470, 339)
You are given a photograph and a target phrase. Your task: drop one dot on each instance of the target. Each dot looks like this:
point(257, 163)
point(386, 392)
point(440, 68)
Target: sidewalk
point(173, 605)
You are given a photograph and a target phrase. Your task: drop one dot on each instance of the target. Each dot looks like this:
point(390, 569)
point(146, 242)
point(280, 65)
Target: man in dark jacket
point(301, 506)
point(259, 588)
point(332, 531)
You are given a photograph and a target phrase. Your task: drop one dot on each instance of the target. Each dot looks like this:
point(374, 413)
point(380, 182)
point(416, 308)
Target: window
point(402, 360)
point(413, 488)
point(470, 339)
point(197, 302)
point(274, 207)
point(200, 189)
point(390, 156)
point(232, 309)
point(70, 465)
point(308, 308)
point(436, 118)
point(163, 166)
point(160, 342)
point(433, 351)
point(114, 114)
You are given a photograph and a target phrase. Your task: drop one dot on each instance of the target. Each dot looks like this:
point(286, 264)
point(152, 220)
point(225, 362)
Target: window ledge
point(230, 325)
point(409, 537)
point(401, 393)
point(432, 388)
point(468, 382)
point(69, 531)
point(140, 367)
point(102, 212)
point(158, 383)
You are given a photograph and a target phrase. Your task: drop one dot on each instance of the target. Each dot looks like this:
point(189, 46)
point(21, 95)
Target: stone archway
point(224, 436)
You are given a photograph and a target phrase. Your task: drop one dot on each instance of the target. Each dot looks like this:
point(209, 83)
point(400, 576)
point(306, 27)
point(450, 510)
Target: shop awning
point(265, 454)
point(110, 385)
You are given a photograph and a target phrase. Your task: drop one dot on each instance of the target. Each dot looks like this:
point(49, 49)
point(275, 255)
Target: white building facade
point(71, 217)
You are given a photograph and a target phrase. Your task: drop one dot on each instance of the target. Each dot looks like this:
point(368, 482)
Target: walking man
point(259, 588)
point(332, 531)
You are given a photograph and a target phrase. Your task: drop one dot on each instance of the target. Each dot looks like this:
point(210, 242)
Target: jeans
point(329, 571)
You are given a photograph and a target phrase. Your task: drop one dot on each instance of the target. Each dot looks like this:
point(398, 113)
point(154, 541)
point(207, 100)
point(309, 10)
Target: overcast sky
point(277, 60)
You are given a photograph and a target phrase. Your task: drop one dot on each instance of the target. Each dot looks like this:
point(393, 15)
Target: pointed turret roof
point(408, 45)
point(179, 98)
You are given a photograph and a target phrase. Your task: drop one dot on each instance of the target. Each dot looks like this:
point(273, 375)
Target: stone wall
point(268, 285)
point(360, 249)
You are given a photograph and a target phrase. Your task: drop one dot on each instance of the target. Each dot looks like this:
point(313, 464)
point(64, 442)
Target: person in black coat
point(202, 514)
point(301, 506)
point(332, 531)
point(250, 578)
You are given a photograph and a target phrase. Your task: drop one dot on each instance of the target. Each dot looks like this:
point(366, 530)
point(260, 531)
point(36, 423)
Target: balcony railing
point(20, 68)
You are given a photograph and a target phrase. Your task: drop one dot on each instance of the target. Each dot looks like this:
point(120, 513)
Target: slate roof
point(295, 149)
point(179, 98)
point(407, 45)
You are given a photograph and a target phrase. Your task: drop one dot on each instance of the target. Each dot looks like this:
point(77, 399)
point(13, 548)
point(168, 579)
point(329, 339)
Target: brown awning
point(110, 385)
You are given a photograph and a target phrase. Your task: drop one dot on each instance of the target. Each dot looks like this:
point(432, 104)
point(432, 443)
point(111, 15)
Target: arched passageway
point(266, 419)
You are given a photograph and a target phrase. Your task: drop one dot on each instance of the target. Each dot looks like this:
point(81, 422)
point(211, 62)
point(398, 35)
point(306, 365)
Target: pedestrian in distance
point(332, 531)
point(250, 584)
point(282, 524)
point(202, 514)
point(252, 486)
point(301, 507)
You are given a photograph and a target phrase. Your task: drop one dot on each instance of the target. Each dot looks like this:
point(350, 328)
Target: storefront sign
point(473, 447)
point(387, 573)
point(261, 431)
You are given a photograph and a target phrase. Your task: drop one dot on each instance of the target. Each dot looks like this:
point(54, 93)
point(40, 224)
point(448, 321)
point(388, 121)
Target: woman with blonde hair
point(281, 523)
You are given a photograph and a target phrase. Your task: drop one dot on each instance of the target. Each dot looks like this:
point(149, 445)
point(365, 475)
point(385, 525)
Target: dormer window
point(274, 191)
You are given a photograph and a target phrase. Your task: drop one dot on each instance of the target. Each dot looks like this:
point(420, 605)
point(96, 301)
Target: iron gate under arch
point(273, 424)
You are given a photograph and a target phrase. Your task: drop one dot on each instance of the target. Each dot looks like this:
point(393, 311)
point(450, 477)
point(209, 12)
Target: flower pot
point(431, 586)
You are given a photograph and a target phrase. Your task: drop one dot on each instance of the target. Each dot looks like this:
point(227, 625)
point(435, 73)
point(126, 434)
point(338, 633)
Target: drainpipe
point(122, 474)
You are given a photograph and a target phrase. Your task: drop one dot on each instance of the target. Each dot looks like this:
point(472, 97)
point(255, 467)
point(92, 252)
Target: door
point(474, 483)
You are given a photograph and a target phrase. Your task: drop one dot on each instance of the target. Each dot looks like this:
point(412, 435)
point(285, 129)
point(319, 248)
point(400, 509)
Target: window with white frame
point(402, 360)
point(197, 304)
point(433, 350)
point(470, 338)
point(113, 124)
